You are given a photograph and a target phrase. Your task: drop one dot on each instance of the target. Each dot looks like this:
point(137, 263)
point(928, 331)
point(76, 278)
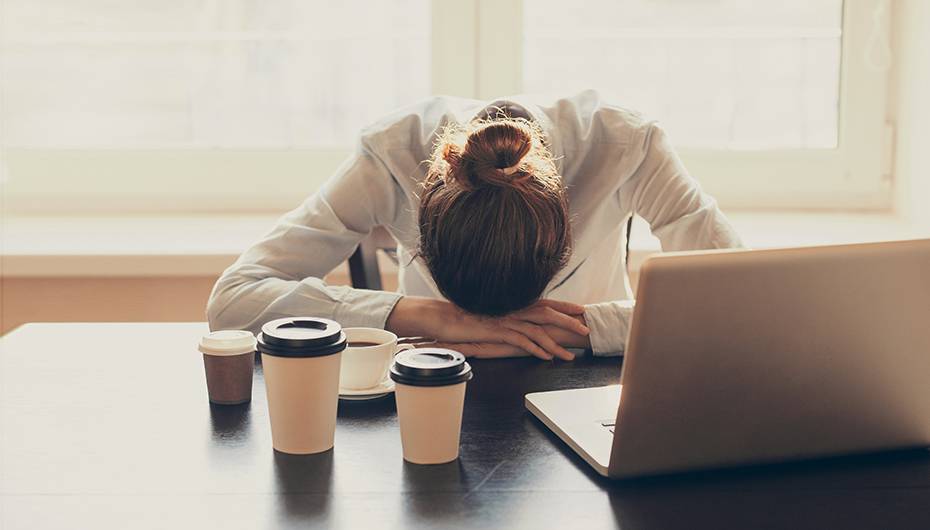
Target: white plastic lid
point(228, 342)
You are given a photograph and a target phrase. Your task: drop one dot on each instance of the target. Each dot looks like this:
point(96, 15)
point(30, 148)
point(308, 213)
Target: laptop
point(752, 357)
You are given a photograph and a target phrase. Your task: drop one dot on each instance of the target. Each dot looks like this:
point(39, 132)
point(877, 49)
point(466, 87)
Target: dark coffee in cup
point(430, 391)
point(367, 360)
point(301, 359)
point(228, 360)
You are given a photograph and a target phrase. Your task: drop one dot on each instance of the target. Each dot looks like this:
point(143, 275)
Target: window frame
point(854, 175)
point(466, 38)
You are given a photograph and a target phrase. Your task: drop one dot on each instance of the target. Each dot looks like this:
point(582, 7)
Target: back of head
point(494, 227)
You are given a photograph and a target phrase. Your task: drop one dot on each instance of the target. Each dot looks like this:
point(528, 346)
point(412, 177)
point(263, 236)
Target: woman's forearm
point(415, 316)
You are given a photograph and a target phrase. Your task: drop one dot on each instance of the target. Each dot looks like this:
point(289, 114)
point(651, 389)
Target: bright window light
point(207, 73)
point(197, 105)
point(721, 74)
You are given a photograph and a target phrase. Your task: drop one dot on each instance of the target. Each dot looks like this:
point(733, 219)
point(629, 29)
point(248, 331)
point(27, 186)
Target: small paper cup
point(228, 361)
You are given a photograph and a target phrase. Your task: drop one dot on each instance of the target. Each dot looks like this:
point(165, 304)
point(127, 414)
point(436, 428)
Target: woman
point(509, 219)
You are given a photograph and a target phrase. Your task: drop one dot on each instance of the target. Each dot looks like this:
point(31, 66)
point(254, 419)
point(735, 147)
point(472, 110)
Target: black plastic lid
point(430, 367)
point(301, 337)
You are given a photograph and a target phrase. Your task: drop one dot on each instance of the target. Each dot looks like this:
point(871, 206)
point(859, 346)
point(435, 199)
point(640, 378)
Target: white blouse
point(614, 163)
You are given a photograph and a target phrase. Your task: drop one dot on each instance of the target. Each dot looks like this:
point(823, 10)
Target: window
point(195, 104)
point(771, 104)
point(188, 74)
point(199, 104)
point(731, 75)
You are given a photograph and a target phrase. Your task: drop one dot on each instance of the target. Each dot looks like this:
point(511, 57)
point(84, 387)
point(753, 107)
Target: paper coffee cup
point(228, 361)
point(301, 360)
point(367, 366)
point(430, 393)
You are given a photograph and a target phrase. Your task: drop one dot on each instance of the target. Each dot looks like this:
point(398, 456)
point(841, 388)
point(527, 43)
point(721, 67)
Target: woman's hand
point(492, 350)
point(528, 331)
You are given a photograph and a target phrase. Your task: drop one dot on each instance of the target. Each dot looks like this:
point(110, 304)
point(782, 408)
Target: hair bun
point(492, 155)
point(504, 153)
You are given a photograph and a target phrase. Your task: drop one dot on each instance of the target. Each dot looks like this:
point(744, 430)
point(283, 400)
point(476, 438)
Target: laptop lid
point(739, 357)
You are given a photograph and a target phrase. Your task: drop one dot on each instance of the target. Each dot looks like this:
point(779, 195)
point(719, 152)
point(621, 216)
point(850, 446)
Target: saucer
point(365, 394)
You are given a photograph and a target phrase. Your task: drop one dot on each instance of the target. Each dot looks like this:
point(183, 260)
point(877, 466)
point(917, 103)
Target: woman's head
point(494, 227)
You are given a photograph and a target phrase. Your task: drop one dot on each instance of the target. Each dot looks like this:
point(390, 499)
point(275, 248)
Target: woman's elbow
point(221, 305)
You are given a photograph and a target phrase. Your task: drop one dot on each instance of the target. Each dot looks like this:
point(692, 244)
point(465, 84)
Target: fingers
point(562, 307)
point(567, 339)
point(540, 339)
point(487, 350)
point(522, 332)
point(548, 316)
point(483, 350)
point(520, 340)
point(415, 340)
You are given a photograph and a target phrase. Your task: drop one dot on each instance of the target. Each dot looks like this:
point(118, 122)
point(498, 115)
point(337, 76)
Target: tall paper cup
point(301, 359)
point(430, 393)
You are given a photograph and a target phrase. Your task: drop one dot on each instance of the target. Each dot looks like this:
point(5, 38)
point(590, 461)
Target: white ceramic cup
point(367, 367)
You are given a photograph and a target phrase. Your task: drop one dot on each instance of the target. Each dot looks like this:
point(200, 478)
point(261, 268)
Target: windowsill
point(794, 229)
point(205, 245)
point(127, 246)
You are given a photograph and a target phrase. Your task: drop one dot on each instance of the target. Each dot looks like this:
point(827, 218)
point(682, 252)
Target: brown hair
point(494, 227)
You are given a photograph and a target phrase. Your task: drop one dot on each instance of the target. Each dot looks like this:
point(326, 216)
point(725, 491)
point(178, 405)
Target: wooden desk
point(108, 426)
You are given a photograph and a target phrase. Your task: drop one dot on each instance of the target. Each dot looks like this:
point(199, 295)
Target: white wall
point(911, 107)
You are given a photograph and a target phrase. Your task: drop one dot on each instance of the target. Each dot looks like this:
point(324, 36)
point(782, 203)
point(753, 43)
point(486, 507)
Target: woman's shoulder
point(416, 125)
point(590, 117)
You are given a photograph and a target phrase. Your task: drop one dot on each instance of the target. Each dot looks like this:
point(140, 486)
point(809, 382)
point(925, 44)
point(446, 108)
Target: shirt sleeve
point(281, 275)
point(609, 325)
point(679, 213)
